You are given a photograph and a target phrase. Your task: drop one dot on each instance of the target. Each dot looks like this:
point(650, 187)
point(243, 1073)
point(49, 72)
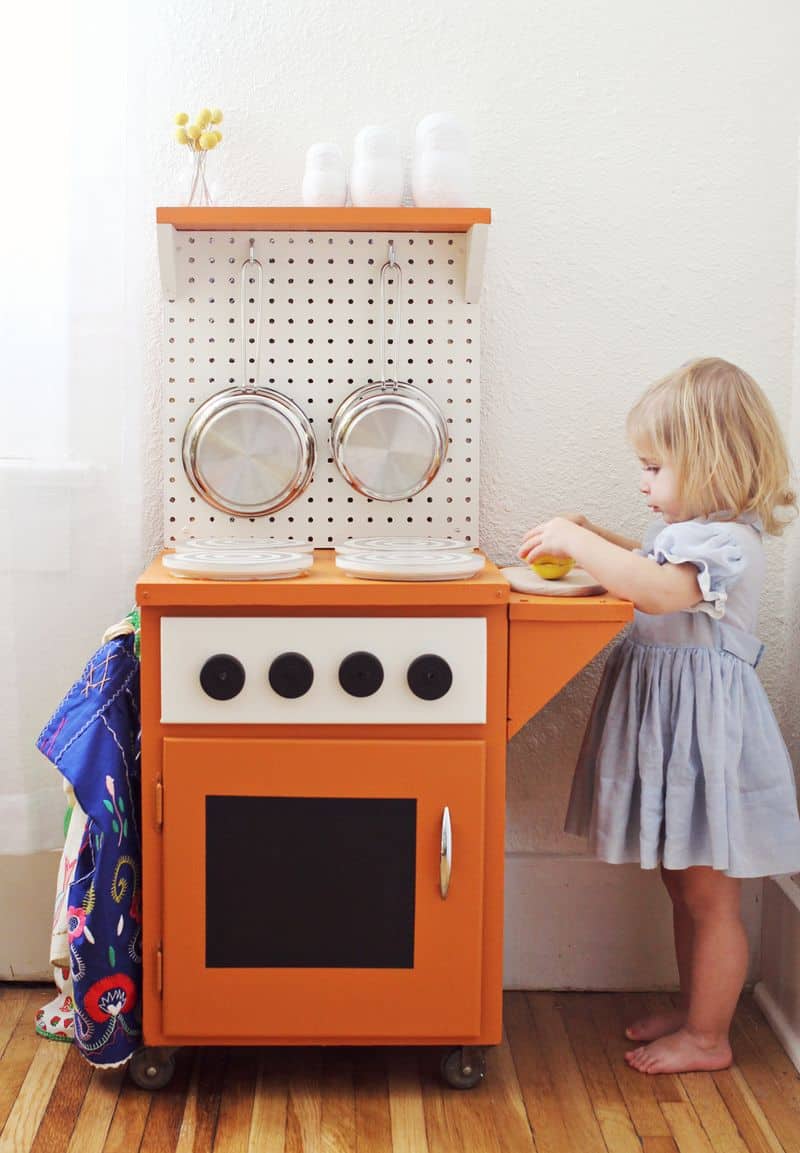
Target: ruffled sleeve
point(713, 548)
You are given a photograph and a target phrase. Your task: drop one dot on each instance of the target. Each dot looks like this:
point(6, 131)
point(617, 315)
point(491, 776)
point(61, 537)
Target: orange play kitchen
point(324, 728)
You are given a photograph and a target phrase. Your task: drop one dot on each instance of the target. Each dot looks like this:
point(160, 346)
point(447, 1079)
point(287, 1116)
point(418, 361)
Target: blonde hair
point(714, 424)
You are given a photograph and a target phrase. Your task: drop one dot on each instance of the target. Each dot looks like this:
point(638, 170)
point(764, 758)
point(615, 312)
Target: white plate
point(578, 583)
point(419, 566)
point(238, 566)
point(402, 544)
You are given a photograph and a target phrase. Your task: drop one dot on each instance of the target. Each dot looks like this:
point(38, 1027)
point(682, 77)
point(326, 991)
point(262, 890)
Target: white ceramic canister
point(325, 177)
point(376, 178)
point(441, 173)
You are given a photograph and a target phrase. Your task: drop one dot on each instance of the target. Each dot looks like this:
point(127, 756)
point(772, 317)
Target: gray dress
point(683, 762)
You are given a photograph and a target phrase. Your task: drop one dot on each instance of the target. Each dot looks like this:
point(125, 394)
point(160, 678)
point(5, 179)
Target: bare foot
point(680, 1052)
point(649, 1028)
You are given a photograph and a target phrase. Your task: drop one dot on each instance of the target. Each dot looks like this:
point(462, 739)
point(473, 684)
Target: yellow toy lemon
point(552, 568)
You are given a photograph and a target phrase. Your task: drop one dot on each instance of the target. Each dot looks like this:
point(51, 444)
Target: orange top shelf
point(325, 219)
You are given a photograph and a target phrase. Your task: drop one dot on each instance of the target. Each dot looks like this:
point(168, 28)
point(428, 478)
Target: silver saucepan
point(389, 439)
point(249, 451)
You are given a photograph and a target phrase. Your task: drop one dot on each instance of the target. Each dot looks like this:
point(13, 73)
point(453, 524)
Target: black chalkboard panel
point(310, 882)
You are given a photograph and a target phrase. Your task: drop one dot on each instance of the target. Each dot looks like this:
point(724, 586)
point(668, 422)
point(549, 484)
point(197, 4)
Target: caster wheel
point(463, 1070)
point(151, 1068)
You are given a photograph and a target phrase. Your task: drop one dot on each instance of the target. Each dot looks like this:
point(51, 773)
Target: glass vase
point(199, 194)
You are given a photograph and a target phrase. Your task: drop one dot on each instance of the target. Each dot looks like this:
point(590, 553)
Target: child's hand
point(554, 537)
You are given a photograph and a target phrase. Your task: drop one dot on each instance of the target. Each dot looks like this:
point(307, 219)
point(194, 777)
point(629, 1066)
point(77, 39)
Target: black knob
point(429, 677)
point(291, 675)
point(222, 677)
point(361, 674)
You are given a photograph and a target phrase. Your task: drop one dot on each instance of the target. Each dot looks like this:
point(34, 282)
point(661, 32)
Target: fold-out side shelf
point(550, 640)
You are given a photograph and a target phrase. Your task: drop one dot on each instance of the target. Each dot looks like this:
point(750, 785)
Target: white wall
point(790, 697)
point(640, 161)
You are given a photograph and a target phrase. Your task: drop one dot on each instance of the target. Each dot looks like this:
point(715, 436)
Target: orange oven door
point(303, 889)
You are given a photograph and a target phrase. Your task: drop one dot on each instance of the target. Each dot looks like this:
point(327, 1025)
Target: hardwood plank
point(658, 1145)
point(55, 1130)
point(781, 1118)
point(201, 1108)
point(470, 1115)
point(129, 1120)
point(544, 1115)
point(406, 1108)
point(373, 1115)
point(576, 1108)
point(686, 1128)
point(235, 1113)
point(270, 1102)
point(638, 1091)
point(163, 1125)
point(713, 1113)
point(12, 1004)
point(440, 1125)
point(304, 1109)
point(97, 1111)
point(746, 1112)
point(755, 1026)
point(22, 1047)
point(601, 1085)
point(30, 1106)
point(338, 1123)
point(510, 1118)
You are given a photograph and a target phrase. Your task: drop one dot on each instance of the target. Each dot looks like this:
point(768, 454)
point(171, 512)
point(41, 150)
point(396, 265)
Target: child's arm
point(652, 587)
point(584, 522)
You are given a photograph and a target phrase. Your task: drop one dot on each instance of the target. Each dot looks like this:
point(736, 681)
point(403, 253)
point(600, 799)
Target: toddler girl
point(683, 764)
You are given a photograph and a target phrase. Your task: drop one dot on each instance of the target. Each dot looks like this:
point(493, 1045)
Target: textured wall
point(640, 161)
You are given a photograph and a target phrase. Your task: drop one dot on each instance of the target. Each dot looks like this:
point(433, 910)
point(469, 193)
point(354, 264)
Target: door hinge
point(159, 804)
point(159, 970)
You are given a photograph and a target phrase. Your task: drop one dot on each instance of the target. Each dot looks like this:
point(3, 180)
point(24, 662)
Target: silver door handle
point(445, 853)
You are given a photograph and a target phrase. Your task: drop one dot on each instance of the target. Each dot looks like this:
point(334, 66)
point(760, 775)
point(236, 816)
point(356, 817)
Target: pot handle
point(445, 854)
point(256, 264)
point(391, 265)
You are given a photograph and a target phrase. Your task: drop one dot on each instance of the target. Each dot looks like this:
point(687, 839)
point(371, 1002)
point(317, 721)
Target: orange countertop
point(324, 584)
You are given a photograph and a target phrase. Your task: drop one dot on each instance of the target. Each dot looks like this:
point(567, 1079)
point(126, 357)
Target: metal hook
point(391, 259)
point(252, 250)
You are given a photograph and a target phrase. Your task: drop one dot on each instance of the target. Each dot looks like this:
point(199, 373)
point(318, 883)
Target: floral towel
point(93, 739)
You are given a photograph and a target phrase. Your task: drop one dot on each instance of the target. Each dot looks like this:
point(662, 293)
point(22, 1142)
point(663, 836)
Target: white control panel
point(323, 670)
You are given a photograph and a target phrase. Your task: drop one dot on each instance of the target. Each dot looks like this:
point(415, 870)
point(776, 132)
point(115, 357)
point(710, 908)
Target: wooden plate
point(578, 583)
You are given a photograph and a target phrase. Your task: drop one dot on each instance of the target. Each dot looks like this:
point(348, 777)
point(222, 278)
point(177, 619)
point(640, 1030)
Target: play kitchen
point(331, 669)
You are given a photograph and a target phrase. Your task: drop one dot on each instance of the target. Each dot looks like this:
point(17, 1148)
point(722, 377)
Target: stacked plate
point(408, 559)
point(242, 559)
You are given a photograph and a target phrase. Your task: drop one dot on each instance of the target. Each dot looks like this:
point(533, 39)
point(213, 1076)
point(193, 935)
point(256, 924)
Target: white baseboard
point(576, 923)
point(27, 893)
point(778, 991)
point(782, 1027)
point(570, 923)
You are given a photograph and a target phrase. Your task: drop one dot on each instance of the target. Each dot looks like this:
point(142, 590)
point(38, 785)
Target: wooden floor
point(557, 1084)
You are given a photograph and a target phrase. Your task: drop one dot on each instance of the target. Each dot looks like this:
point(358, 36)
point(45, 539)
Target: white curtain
point(69, 458)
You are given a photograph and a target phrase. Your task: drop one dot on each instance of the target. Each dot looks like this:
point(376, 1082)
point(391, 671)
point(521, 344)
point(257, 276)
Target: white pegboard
point(320, 340)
